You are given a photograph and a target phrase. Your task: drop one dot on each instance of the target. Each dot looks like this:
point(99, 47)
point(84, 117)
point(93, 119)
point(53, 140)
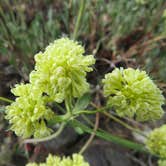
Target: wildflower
point(156, 142)
point(28, 114)
point(132, 93)
point(60, 73)
point(61, 70)
point(76, 160)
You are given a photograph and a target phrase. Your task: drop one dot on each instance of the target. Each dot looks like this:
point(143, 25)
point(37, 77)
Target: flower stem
point(86, 119)
point(109, 137)
point(118, 120)
point(6, 100)
point(92, 135)
point(56, 134)
point(123, 123)
point(78, 21)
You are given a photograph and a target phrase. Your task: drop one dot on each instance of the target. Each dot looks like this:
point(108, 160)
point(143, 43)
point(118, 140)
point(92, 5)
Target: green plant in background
point(120, 14)
point(141, 1)
point(156, 55)
point(76, 160)
point(95, 21)
point(60, 76)
point(21, 36)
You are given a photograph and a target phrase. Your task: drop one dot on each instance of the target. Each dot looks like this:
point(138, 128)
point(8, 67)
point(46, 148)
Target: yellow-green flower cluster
point(27, 115)
point(76, 160)
point(162, 162)
point(132, 93)
point(156, 142)
point(59, 74)
point(61, 70)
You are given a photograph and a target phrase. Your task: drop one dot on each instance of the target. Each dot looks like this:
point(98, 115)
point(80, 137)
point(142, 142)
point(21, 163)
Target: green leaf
point(82, 102)
point(57, 119)
point(79, 130)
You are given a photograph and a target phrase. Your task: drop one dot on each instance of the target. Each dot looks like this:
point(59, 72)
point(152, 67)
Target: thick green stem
point(56, 134)
point(69, 105)
point(109, 137)
point(78, 21)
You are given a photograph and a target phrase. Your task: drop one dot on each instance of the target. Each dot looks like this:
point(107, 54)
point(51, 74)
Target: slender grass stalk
point(102, 110)
point(84, 117)
point(78, 21)
point(86, 145)
point(123, 123)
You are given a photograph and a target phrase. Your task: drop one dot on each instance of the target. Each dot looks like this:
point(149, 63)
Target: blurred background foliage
point(129, 30)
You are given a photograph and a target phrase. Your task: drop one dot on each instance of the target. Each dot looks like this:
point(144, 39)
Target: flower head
point(28, 114)
point(156, 142)
point(76, 160)
point(61, 70)
point(132, 93)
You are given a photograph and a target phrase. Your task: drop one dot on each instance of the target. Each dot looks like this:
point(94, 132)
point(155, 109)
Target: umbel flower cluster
point(59, 75)
point(156, 142)
point(132, 93)
point(76, 160)
point(29, 112)
point(61, 70)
